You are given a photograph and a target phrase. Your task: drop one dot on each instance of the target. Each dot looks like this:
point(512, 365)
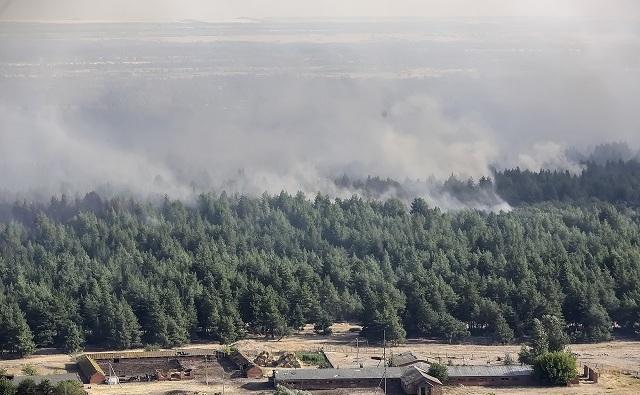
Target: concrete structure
point(249, 368)
point(90, 371)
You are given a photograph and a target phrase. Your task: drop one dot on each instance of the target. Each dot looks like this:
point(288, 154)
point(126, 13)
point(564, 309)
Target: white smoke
point(182, 108)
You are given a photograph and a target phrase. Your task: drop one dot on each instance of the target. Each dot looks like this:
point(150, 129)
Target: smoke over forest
point(295, 105)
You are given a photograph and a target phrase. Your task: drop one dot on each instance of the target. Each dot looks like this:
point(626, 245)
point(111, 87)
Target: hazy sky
point(226, 9)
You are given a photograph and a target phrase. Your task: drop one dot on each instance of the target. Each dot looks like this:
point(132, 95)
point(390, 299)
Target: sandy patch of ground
point(46, 362)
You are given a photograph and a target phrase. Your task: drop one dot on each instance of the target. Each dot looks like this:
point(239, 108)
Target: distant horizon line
point(249, 20)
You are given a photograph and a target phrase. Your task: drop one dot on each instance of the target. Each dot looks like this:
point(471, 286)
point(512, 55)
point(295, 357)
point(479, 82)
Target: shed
point(494, 375)
point(249, 369)
point(405, 359)
point(416, 381)
point(330, 379)
point(91, 372)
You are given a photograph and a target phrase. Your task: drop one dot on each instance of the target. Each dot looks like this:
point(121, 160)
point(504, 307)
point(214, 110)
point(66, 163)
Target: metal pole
point(206, 371)
point(384, 359)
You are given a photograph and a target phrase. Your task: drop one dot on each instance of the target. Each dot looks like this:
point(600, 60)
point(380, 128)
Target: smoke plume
point(181, 108)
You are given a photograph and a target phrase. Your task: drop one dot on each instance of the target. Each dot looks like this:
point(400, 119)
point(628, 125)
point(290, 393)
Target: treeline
point(616, 182)
point(122, 273)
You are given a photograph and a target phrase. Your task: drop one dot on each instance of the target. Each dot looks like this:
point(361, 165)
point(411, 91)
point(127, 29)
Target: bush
point(526, 355)
point(286, 391)
point(555, 368)
point(69, 388)
point(7, 387)
point(26, 387)
point(508, 359)
point(29, 370)
point(314, 358)
point(151, 347)
point(439, 371)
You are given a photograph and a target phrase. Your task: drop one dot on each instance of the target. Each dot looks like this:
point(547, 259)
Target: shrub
point(439, 371)
point(286, 391)
point(151, 347)
point(555, 368)
point(69, 388)
point(27, 387)
point(7, 387)
point(508, 359)
point(314, 358)
point(29, 370)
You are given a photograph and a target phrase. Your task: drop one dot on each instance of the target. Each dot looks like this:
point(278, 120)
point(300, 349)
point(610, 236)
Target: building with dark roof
point(415, 381)
point(330, 379)
point(53, 379)
point(415, 378)
point(405, 359)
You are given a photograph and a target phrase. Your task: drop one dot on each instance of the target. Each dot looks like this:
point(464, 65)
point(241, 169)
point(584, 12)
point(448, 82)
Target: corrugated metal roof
point(190, 352)
point(53, 379)
point(490, 371)
point(336, 374)
point(414, 375)
point(403, 359)
point(378, 373)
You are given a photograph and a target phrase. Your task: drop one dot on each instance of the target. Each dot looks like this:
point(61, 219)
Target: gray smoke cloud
point(216, 10)
point(4, 6)
point(188, 107)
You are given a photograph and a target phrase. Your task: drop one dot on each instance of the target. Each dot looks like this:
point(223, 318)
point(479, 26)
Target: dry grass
point(340, 348)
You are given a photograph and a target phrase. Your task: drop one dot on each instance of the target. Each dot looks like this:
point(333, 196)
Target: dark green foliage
point(45, 388)
point(27, 387)
point(502, 332)
point(555, 368)
point(123, 273)
point(286, 391)
point(314, 358)
point(556, 333)
point(69, 388)
point(7, 387)
point(612, 181)
point(71, 339)
point(29, 370)
point(323, 325)
point(439, 371)
point(15, 335)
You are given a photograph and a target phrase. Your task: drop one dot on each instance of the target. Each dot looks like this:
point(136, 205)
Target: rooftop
point(53, 379)
point(333, 374)
point(490, 371)
point(396, 373)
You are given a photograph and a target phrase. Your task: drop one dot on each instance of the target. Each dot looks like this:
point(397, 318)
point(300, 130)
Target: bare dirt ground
point(611, 357)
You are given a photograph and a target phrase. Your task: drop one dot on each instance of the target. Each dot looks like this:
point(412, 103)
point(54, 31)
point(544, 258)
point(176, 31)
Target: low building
point(248, 368)
point(416, 381)
point(90, 371)
point(491, 376)
point(52, 379)
point(331, 379)
point(405, 359)
point(413, 380)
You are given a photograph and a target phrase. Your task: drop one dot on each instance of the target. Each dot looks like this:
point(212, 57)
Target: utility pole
point(206, 370)
point(384, 358)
